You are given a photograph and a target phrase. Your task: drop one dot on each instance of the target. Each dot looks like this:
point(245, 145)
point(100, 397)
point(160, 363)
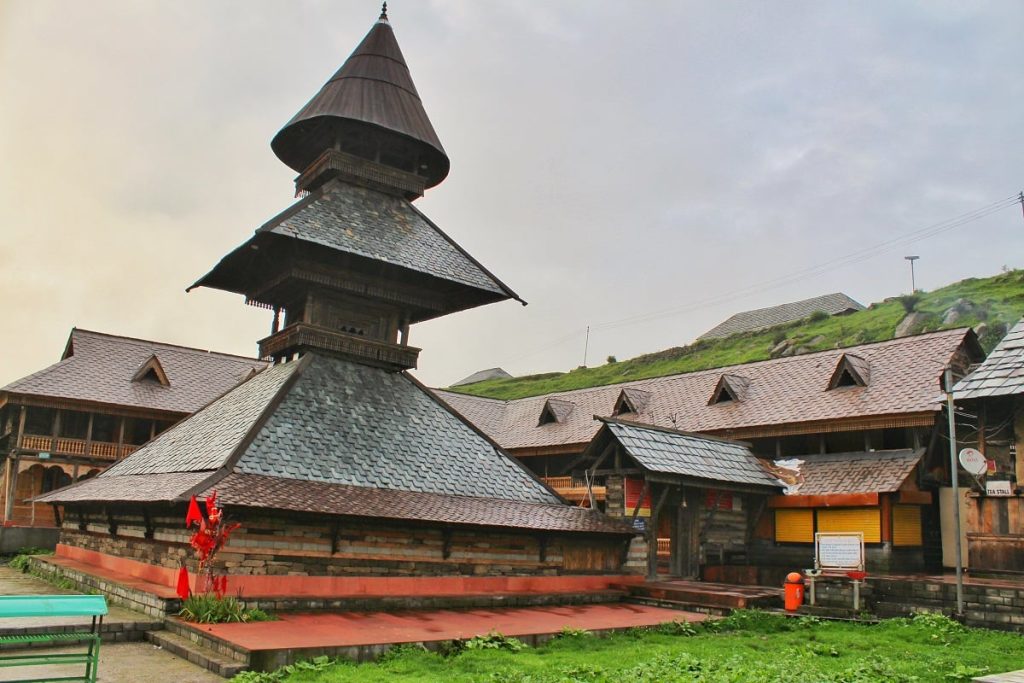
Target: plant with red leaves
point(211, 533)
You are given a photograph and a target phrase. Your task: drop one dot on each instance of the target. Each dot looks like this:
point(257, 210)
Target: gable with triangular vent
point(555, 410)
point(729, 388)
point(851, 371)
point(631, 401)
point(152, 371)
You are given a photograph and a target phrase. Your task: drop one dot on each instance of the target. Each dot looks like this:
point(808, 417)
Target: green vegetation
point(747, 646)
point(23, 563)
point(208, 608)
point(997, 302)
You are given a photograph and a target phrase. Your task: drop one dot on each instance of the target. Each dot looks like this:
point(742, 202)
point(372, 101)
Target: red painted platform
point(354, 629)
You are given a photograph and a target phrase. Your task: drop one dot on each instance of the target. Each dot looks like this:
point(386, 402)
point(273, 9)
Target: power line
point(851, 258)
point(845, 260)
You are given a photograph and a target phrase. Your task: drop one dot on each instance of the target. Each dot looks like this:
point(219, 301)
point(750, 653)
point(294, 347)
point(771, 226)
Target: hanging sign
point(839, 550)
point(998, 488)
point(973, 461)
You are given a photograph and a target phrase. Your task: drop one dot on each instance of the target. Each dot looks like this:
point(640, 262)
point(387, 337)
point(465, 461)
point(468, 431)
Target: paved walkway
point(119, 662)
point(13, 582)
point(123, 663)
point(347, 629)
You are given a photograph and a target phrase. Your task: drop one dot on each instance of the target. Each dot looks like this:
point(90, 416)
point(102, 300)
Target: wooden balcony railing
point(573, 489)
point(80, 447)
point(664, 546)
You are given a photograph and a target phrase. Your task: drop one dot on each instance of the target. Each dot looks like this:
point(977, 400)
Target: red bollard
point(794, 591)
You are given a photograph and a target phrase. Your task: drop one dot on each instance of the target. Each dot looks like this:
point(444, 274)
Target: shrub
point(314, 665)
point(677, 627)
point(568, 632)
point(208, 608)
point(495, 641)
point(818, 316)
point(909, 302)
point(612, 359)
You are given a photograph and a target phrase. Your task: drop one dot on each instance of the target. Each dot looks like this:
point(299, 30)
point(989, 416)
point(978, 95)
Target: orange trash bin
point(794, 596)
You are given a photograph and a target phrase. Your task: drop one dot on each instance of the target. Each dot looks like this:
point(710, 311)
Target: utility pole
point(586, 347)
point(954, 475)
point(913, 285)
point(1020, 198)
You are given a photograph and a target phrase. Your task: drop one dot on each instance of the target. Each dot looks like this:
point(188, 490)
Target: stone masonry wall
point(996, 605)
point(269, 545)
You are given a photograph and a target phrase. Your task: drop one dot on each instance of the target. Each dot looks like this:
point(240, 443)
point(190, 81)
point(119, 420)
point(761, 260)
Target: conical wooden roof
point(372, 93)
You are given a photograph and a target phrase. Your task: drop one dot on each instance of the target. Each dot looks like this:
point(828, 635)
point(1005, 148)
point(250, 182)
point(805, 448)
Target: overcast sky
point(610, 160)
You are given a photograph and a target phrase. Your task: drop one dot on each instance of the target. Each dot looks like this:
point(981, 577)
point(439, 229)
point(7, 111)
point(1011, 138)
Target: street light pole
point(913, 285)
point(954, 472)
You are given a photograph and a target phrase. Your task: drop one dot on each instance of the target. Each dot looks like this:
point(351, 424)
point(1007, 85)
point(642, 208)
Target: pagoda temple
point(338, 465)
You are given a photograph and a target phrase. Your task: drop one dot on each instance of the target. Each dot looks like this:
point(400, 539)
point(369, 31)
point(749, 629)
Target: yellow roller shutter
point(794, 526)
point(865, 520)
point(906, 525)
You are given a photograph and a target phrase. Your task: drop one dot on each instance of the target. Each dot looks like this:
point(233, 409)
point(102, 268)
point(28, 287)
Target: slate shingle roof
point(323, 434)
point(781, 393)
point(1002, 373)
point(691, 455)
point(98, 368)
point(481, 376)
point(375, 225)
point(758, 319)
point(870, 472)
point(318, 497)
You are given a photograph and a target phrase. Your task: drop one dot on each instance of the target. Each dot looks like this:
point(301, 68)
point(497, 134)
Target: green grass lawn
point(998, 302)
point(748, 647)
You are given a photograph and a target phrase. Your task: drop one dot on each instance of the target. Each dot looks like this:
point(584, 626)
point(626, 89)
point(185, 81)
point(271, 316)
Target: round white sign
point(973, 461)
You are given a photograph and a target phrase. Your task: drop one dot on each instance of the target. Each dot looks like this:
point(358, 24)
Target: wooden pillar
point(12, 488)
point(88, 439)
point(120, 438)
point(21, 428)
point(56, 431)
point(885, 511)
point(652, 540)
point(981, 427)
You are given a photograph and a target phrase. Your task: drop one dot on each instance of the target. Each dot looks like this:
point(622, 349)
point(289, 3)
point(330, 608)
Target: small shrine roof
point(690, 455)
point(862, 472)
point(1002, 373)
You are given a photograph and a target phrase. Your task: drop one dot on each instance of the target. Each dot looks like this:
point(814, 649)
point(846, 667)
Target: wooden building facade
point(106, 397)
point(991, 418)
point(873, 409)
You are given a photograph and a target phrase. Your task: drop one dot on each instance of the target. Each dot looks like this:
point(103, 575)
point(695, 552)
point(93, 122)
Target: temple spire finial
point(384, 12)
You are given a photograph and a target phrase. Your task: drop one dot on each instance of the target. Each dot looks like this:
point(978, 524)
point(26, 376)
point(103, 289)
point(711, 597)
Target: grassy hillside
point(995, 302)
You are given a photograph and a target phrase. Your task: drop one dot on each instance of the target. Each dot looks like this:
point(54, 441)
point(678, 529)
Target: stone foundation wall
point(998, 606)
point(288, 546)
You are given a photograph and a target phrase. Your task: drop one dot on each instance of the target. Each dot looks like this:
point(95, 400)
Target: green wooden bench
point(15, 606)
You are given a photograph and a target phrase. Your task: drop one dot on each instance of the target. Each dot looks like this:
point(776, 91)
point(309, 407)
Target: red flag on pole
point(194, 516)
point(183, 589)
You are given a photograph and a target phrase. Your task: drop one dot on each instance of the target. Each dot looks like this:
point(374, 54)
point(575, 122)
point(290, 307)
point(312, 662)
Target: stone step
point(196, 634)
point(433, 602)
point(710, 610)
point(195, 653)
point(709, 595)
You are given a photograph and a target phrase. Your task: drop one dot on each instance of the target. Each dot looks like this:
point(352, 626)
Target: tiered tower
point(354, 263)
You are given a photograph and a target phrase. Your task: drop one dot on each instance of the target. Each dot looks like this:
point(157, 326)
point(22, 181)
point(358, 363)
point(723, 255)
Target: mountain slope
point(990, 305)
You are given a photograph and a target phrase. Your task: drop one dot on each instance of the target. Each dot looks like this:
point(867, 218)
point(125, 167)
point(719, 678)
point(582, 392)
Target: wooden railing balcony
point(573, 490)
point(103, 450)
point(664, 546)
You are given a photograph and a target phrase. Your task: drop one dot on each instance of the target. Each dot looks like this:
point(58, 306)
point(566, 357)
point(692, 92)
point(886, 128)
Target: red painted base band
point(358, 586)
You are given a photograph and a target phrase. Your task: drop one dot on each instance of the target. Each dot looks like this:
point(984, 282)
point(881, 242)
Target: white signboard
point(998, 488)
point(973, 461)
point(839, 550)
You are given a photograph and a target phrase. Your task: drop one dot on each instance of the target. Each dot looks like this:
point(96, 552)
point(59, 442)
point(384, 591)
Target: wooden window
point(866, 520)
point(906, 525)
point(794, 526)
